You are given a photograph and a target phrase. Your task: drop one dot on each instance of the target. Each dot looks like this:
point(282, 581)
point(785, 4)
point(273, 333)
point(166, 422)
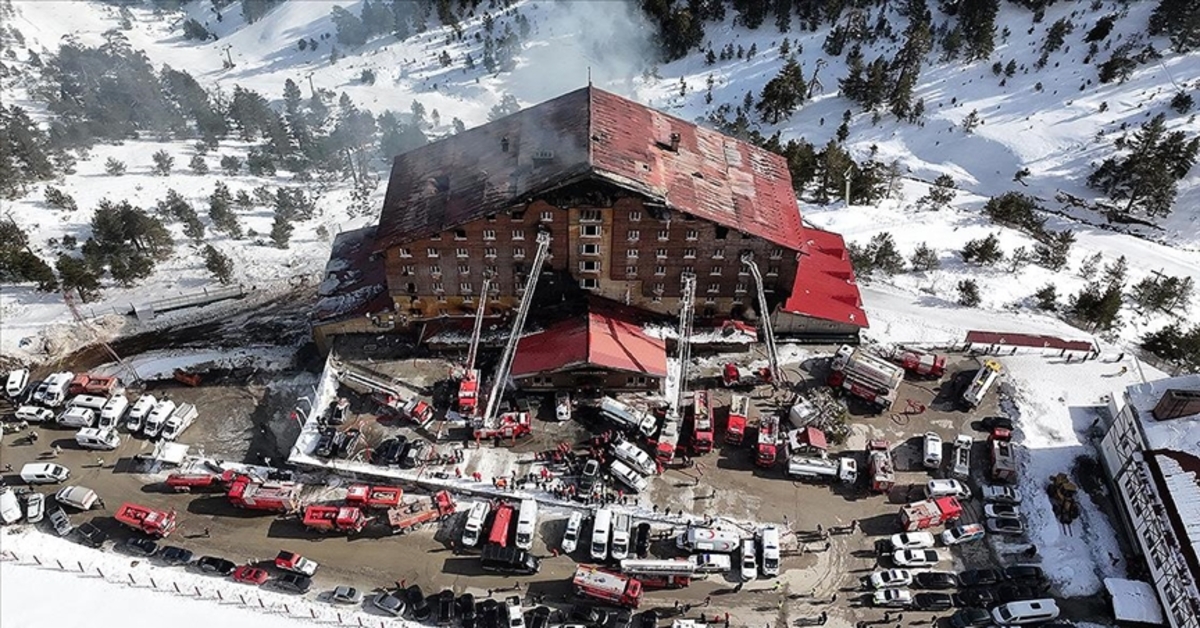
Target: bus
point(500, 525)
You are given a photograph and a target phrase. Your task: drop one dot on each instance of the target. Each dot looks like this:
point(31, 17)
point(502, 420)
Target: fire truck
point(468, 393)
point(702, 423)
point(668, 439)
point(930, 512)
point(1004, 462)
point(881, 466)
point(510, 425)
point(919, 362)
point(984, 378)
point(153, 522)
point(768, 440)
point(498, 535)
point(612, 588)
point(367, 496)
point(865, 376)
point(85, 384)
point(413, 409)
point(403, 520)
point(739, 412)
point(269, 496)
point(207, 482)
point(961, 465)
point(660, 574)
point(334, 519)
point(735, 376)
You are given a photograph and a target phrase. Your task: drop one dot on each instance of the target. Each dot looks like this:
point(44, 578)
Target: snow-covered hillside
point(1055, 121)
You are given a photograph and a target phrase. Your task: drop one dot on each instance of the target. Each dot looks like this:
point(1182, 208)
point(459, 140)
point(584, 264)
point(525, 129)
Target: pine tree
point(887, 257)
point(968, 293)
point(1146, 178)
point(940, 194)
point(1047, 298)
point(1054, 250)
point(218, 264)
point(114, 167)
point(1180, 20)
point(350, 29)
point(75, 274)
point(163, 162)
point(977, 19)
point(924, 259)
point(1115, 274)
point(1090, 264)
point(281, 229)
point(177, 207)
point(783, 94)
point(1097, 306)
point(1162, 293)
point(231, 165)
point(220, 211)
point(198, 165)
point(984, 251)
point(58, 199)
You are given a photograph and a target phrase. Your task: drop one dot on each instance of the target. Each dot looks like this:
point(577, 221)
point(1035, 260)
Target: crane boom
point(510, 349)
point(478, 331)
point(687, 311)
point(764, 315)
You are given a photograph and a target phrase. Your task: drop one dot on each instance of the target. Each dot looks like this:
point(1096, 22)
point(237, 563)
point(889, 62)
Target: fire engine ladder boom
point(764, 317)
point(510, 349)
point(687, 311)
point(478, 330)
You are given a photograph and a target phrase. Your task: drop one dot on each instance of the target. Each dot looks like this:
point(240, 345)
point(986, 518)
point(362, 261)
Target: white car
point(1002, 511)
point(946, 488)
point(627, 476)
point(473, 528)
point(893, 597)
point(891, 579)
point(1000, 494)
point(571, 536)
point(912, 540)
point(963, 534)
point(79, 497)
point(35, 507)
point(916, 558)
point(16, 383)
point(562, 405)
point(137, 415)
point(749, 560)
point(10, 508)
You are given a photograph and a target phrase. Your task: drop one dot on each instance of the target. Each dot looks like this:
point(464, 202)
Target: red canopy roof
point(595, 339)
point(824, 287)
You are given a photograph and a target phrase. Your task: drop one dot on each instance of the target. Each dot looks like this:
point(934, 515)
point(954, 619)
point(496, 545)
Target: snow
point(1179, 434)
point(162, 364)
point(1134, 601)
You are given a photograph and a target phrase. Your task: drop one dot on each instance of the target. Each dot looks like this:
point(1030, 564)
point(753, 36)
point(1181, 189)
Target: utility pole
point(847, 177)
point(311, 89)
point(228, 58)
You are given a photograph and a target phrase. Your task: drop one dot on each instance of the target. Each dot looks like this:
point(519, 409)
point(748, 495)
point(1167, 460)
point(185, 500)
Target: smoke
point(612, 38)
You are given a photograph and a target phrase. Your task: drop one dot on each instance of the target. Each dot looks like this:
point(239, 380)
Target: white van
point(768, 537)
point(158, 416)
point(10, 508)
point(476, 517)
point(98, 438)
point(55, 391)
point(946, 488)
point(627, 476)
point(180, 419)
point(1025, 612)
point(749, 560)
point(527, 523)
point(711, 563)
point(571, 535)
point(113, 411)
point(619, 547)
point(635, 457)
point(34, 414)
point(16, 382)
point(44, 473)
point(91, 402)
point(77, 417)
point(708, 540)
point(933, 450)
point(601, 528)
point(138, 413)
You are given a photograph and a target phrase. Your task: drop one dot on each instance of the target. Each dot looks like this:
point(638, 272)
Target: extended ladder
point(764, 317)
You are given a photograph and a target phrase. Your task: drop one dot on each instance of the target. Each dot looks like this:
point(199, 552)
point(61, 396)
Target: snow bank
point(162, 364)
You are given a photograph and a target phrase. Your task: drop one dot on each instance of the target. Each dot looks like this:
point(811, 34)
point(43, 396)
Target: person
point(708, 600)
point(7, 468)
point(56, 450)
point(99, 461)
point(33, 436)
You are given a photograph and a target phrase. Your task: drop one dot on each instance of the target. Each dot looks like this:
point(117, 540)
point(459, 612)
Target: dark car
point(61, 522)
point(538, 618)
point(344, 442)
point(294, 582)
point(447, 609)
point(620, 618)
point(389, 451)
point(213, 564)
point(140, 546)
point(935, 580)
point(980, 577)
point(418, 606)
point(933, 602)
point(1009, 527)
point(1026, 574)
point(588, 615)
point(508, 560)
point(415, 455)
point(589, 475)
point(325, 442)
point(388, 603)
point(466, 610)
point(992, 422)
point(981, 597)
point(648, 619)
point(641, 540)
point(489, 614)
point(172, 555)
point(91, 536)
point(1015, 592)
point(969, 617)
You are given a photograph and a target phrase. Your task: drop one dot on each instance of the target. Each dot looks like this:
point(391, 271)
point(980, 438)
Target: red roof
point(825, 287)
point(595, 339)
point(590, 134)
point(1027, 340)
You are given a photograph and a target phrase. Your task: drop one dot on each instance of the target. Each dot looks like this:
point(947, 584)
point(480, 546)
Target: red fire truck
point(206, 482)
point(367, 496)
point(920, 362)
point(865, 376)
point(734, 376)
point(500, 524)
point(930, 512)
point(510, 425)
point(468, 393)
point(739, 412)
point(335, 519)
point(668, 439)
point(404, 519)
point(660, 574)
point(881, 466)
point(702, 423)
point(153, 522)
point(269, 496)
point(608, 587)
point(1004, 460)
point(768, 440)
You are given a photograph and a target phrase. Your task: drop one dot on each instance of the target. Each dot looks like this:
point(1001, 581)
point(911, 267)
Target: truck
point(52, 392)
point(180, 419)
point(334, 519)
point(734, 375)
point(468, 393)
point(510, 425)
point(768, 440)
point(929, 512)
point(919, 362)
point(865, 376)
point(739, 412)
point(611, 588)
point(413, 409)
point(961, 467)
point(822, 468)
point(295, 563)
point(150, 521)
point(402, 520)
point(982, 383)
point(881, 466)
point(88, 384)
point(659, 573)
point(627, 417)
point(203, 482)
point(1004, 462)
point(284, 497)
point(367, 496)
point(702, 422)
point(668, 439)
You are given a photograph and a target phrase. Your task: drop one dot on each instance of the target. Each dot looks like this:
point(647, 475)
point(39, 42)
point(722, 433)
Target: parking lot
point(247, 418)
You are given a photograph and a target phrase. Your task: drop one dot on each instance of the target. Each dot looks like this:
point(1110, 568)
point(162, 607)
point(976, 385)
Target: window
point(692, 234)
point(718, 254)
point(589, 266)
point(405, 252)
point(489, 251)
point(518, 234)
point(714, 288)
point(436, 237)
point(589, 284)
point(634, 235)
point(716, 271)
point(689, 270)
point(689, 254)
point(658, 288)
point(744, 270)
point(663, 235)
point(467, 299)
point(688, 217)
point(490, 272)
point(660, 253)
point(443, 312)
point(740, 288)
point(431, 252)
point(772, 270)
point(656, 298)
point(635, 216)
point(518, 252)
point(589, 249)
point(776, 253)
point(435, 270)
point(461, 252)
point(589, 215)
point(441, 298)
point(489, 234)
point(438, 287)
point(590, 231)
point(547, 216)
point(631, 270)
point(517, 215)
point(631, 254)
point(464, 287)
point(460, 234)
point(464, 269)
point(491, 217)
point(660, 270)
point(409, 269)
point(636, 380)
point(722, 232)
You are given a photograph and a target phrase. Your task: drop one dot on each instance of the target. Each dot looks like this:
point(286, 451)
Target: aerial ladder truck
point(764, 318)
point(668, 437)
point(512, 424)
point(468, 388)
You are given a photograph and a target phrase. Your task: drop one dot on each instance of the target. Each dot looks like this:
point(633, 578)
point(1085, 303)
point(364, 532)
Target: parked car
point(588, 615)
point(1010, 527)
point(916, 558)
point(963, 534)
point(1000, 494)
point(571, 535)
point(641, 540)
point(345, 595)
point(936, 580)
point(60, 522)
point(912, 540)
point(389, 604)
point(215, 565)
point(970, 617)
point(389, 451)
point(946, 488)
point(417, 604)
point(416, 455)
point(325, 442)
point(251, 575)
point(10, 506)
point(466, 610)
point(890, 579)
point(980, 597)
point(79, 497)
point(173, 555)
point(489, 614)
point(993, 422)
point(980, 577)
point(648, 619)
point(1026, 574)
point(933, 602)
point(1016, 592)
point(591, 473)
point(35, 507)
point(447, 610)
point(140, 546)
point(540, 616)
point(621, 618)
point(562, 405)
point(294, 582)
point(893, 597)
point(91, 536)
point(1002, 511)
point(16, 382)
